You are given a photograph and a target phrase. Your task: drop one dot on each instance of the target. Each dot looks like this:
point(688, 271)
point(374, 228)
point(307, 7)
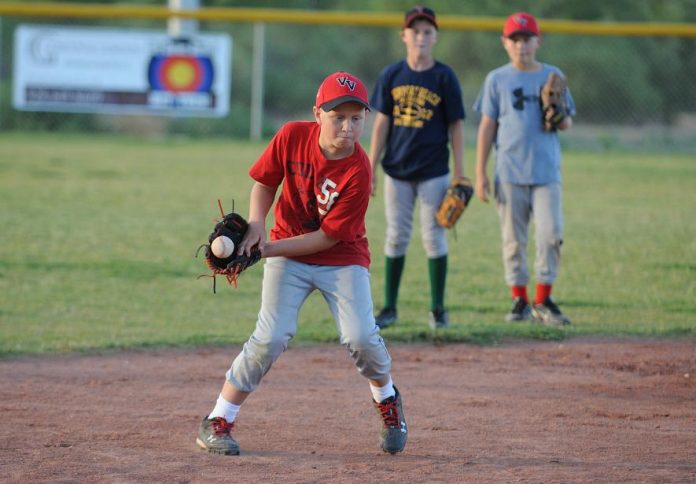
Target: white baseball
point(222, 247)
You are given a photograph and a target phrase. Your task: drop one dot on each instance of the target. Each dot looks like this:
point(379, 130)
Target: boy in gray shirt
point(527, 169)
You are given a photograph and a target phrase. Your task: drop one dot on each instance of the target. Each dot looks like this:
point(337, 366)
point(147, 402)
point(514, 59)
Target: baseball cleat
point(215, 437)
point(385, 318)
point(394, 432)
point(438, 319)
point(549, 313)
point(520, 311)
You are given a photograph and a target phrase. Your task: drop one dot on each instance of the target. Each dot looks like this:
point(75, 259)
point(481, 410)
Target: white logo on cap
point(521, 20)
point(344, 81)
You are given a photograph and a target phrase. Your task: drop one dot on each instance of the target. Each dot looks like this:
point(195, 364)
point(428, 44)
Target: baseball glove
point(233, 226)
point(456, 200)
point(553, 102)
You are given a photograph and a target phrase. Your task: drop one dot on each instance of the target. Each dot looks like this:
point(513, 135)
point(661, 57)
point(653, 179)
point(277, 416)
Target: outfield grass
point(99, 236)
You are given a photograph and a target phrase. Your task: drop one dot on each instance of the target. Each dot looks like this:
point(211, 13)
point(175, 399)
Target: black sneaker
point(394, 431)
point(214, 436)
point(520, 311)
point(438, 319)
point(548, 313)
point(386, 318)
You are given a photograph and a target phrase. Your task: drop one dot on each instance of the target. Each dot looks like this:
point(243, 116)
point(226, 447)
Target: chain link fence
point(632, 92)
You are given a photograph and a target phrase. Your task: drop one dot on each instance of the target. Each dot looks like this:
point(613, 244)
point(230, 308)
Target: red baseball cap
point(341, 87)
point(420, 12)
point(520, 23)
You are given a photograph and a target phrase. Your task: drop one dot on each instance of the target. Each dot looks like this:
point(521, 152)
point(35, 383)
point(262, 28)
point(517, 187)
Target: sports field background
point(100, 216)
point(630, 65)
point(99, 235)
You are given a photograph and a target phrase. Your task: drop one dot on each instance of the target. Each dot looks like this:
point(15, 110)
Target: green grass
point(98, 236)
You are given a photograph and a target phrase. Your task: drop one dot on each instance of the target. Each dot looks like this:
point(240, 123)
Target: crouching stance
point(318, 242)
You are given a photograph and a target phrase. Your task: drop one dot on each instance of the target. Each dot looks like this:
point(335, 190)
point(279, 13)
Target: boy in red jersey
point(318, 242)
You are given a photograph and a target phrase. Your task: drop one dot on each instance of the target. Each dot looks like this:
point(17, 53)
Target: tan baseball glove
point(456, 200)
point(553, 101)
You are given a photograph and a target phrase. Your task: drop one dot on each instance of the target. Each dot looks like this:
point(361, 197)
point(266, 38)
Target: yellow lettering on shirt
point(413, 105)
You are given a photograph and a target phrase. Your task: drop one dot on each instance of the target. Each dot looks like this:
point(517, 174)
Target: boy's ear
point(317, 114)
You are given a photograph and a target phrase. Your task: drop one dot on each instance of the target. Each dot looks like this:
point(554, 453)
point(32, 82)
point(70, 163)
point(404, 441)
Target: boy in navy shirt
point(419, 110)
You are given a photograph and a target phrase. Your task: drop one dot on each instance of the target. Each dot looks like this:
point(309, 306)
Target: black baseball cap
point(420, 12)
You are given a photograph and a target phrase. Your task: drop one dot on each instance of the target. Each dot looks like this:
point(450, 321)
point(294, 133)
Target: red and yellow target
point(180, 73)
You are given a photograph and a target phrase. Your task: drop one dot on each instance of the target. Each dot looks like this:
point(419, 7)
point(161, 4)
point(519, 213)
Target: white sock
point(380, 394)
point(224, 409)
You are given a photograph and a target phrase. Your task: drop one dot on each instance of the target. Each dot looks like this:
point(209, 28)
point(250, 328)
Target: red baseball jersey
point(317, 193)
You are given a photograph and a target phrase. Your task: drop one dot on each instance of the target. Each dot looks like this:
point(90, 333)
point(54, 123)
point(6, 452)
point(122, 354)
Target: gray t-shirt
point(525, 154)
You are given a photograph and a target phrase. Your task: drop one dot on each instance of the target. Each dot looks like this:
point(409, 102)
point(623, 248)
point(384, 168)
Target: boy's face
point(341, 127)
point(521, 48)
point(420, 38)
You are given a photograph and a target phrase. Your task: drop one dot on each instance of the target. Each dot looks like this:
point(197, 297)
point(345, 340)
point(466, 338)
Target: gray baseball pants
point(517, 206)
point(399, 201)
point(286, 286)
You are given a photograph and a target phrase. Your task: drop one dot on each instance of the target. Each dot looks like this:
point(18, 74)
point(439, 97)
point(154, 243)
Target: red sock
point(520, 291)
point(542, 292)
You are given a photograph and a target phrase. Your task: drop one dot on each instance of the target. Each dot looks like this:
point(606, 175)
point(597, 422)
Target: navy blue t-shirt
point(421, 105)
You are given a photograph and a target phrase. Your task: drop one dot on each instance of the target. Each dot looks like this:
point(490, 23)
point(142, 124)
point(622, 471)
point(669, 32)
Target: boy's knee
point(511, 249)
point(359, 341)
point(553, 244)
point(435, 247)
point(266, 350)
point(395, 247)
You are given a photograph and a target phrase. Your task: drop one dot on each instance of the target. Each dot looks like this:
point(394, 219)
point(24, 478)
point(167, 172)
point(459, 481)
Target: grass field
point(99, 234)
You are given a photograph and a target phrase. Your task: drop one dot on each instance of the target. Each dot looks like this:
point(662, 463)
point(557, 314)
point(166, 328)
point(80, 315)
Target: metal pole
point(256, 121)
point(178, 27)
point(9, 104)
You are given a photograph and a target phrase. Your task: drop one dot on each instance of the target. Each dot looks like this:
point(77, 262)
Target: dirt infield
point(581, 410)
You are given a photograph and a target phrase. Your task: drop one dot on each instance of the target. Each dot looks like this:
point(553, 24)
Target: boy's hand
point(483, 188)
point(255, 237)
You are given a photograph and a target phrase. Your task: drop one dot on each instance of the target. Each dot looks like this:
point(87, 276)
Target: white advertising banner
point(117, 71)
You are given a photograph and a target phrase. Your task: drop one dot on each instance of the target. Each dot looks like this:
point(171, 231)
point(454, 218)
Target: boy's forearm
point(457, 139)
point(260, 202)
point(482, 152)
point(380, 129)
point(483, 145)
point(299, 245)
